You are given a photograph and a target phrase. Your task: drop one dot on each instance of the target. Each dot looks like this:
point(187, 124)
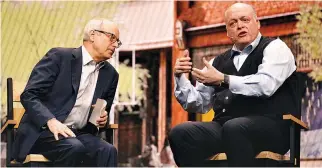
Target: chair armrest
point(261, 155)
point(113, 126)
point(35, 158)
point(295, 120)
point(8, 123)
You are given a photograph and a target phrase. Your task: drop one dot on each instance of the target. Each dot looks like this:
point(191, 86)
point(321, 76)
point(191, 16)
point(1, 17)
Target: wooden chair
point(14, 114)
point(268, 158)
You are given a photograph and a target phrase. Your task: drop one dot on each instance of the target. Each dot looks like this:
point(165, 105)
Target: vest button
point(223, 110)
point(226, 97)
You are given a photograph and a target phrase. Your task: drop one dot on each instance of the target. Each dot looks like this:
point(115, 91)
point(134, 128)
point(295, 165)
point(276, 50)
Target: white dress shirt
point(277, 65)
point(90, 70)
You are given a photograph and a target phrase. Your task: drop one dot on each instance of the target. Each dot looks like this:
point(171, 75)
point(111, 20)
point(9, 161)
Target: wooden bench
point(269, 157)
point(15, 111)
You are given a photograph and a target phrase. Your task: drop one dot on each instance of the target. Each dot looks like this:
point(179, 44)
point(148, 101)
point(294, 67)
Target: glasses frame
point(112, 36)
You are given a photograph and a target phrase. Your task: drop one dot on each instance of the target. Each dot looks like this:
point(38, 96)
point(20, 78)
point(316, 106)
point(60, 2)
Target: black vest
point(227, 105)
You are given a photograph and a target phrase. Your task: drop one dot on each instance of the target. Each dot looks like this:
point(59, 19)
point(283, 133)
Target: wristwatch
point(226, 79)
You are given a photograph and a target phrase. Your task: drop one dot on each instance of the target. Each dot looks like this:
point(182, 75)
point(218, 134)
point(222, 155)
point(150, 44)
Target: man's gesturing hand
point(183, 64)
point(56, 127)
point(208, 76)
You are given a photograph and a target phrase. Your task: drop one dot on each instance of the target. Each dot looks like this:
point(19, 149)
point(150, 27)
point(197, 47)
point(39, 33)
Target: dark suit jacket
point(51, 92)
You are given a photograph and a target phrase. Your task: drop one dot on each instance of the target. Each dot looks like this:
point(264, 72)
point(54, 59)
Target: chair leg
point(297, 146)
point(110, 135)
point(10, 135)
point(295, 139)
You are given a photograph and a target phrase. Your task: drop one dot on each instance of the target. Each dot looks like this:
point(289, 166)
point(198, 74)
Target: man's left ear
point(91, 36)
point(258, 24)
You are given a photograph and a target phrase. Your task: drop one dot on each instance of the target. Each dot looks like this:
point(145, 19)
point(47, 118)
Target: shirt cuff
point(181, 81)
point(235, 83)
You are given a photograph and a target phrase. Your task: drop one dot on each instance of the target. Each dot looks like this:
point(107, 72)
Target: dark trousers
point(83, 150)
point(240, 138)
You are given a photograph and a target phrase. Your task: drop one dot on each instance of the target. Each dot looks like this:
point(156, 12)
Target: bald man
point(250, 87)
point(58, 98)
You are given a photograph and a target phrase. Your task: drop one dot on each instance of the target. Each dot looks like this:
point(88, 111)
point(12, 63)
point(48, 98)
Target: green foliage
point(310, 37)
point(141, 76)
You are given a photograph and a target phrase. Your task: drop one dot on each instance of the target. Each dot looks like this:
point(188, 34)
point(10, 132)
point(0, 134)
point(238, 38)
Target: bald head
point(241, 24)
point(240, 6)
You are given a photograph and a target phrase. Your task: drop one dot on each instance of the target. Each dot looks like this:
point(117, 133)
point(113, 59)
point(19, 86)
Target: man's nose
point(115, 44)
point(240, 24)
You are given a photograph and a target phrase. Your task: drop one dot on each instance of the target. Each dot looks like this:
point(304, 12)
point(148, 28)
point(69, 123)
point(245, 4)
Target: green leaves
point(310, 37)
point(125, 85)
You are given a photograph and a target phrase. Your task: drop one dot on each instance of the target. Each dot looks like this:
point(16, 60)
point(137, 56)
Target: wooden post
point(162, 113)
point(143, 135)
point(178, 114)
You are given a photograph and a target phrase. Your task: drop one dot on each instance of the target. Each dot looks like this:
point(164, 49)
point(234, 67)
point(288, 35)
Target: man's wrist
point(178, 75)
point(226, 79)
point(48, 123)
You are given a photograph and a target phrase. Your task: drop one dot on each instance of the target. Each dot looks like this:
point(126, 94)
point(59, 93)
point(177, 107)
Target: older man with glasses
point(58, 98)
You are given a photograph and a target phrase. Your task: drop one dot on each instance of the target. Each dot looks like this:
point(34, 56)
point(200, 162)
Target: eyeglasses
point(113, 38)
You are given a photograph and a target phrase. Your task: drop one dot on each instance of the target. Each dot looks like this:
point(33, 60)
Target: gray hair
point(94, 24)
point(254, 11)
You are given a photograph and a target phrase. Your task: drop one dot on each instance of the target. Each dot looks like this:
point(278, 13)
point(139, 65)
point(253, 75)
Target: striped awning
point(145, 24)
